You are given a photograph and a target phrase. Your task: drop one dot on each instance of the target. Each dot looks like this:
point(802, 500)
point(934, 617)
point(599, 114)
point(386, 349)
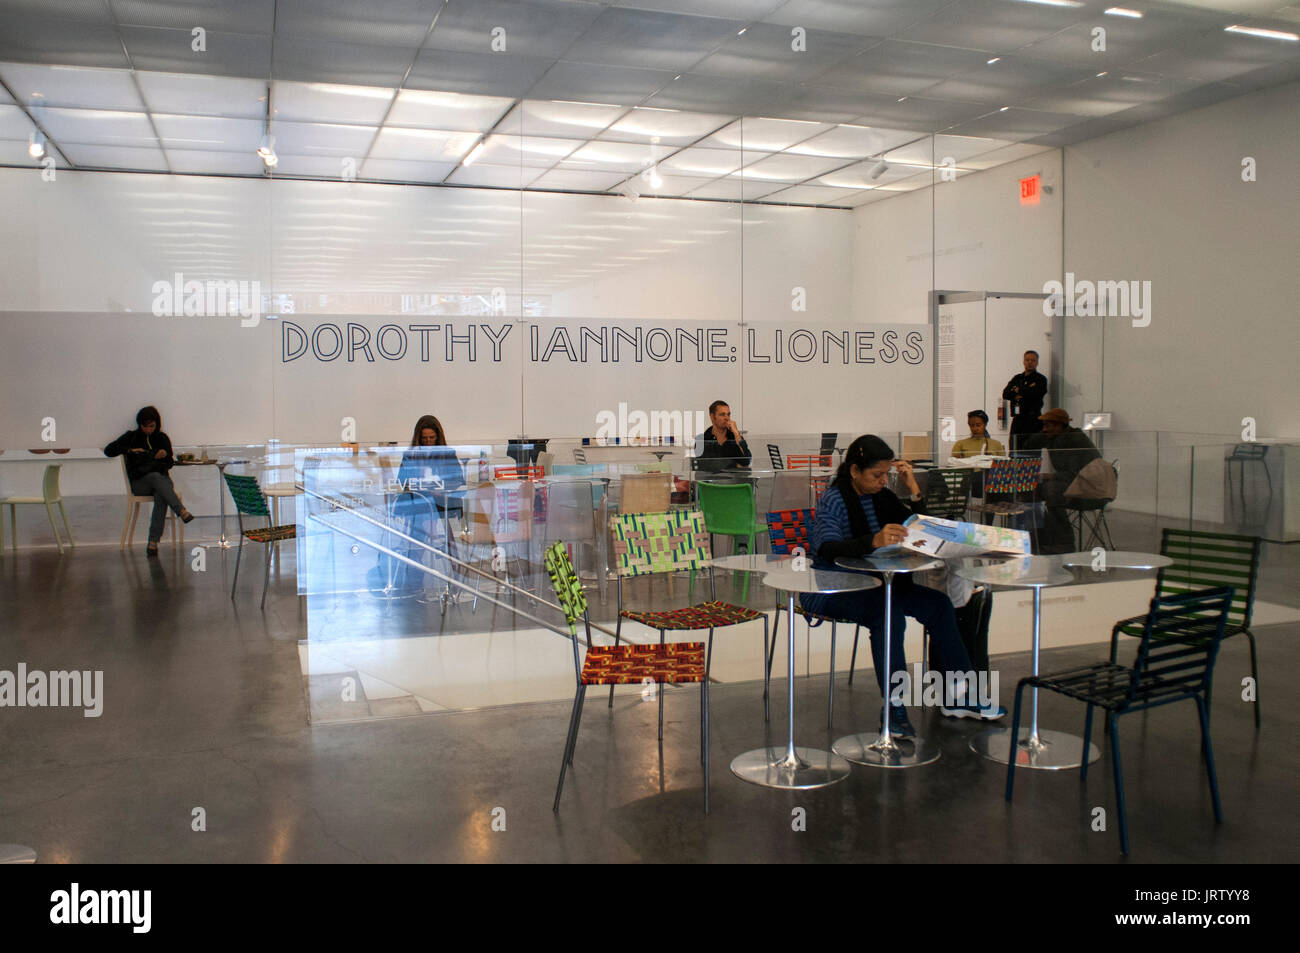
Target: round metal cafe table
point(885, 750)
point(798, 767)
point(1103, 560)
point(1043, 748)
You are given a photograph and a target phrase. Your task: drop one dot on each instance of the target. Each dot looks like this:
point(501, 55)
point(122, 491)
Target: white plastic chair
point(50, 495)
point(133, 504)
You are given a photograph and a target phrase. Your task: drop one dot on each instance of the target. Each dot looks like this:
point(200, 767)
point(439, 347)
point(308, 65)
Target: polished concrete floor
point(205, 708)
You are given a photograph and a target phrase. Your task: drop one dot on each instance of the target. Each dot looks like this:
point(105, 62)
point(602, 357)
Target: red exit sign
point(1031, 190)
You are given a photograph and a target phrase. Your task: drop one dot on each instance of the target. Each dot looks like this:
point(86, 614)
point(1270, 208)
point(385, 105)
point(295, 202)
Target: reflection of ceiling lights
point(474, 154)
point(36, 145)
point(266, 149)
point(1266, 34)
point(1055, 3)
point(1122, 12)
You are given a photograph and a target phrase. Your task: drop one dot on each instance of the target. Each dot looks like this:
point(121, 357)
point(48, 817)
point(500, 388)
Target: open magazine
point(949, 539)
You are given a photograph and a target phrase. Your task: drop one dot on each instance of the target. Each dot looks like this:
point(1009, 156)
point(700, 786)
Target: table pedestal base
point(872, 750)
point(772, 768)
point(1050, 751)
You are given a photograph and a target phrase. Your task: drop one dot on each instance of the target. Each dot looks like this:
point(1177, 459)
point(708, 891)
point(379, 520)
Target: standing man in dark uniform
point(1027, 392)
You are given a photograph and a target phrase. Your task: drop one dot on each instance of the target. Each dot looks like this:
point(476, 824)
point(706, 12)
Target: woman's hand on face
point(905, 471)
point(891, 534)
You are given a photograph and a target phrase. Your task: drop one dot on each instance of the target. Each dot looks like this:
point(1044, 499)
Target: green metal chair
point(250, 501)
point(1204, 561)
point(729, 510)
point(947, 492)
point(664, 664)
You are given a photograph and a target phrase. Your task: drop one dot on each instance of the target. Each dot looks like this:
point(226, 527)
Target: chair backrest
point(727, 507)
point(645, 492)
point(774, 454)
point(577, 469)
point(806, 461)
point(791, 490)
point(518, 473)
point(1202, 560)
point(579, 455)
point(828, 443)
point(916, 447)
point(648, 543)
point(1013, 475)
point(946, 493)
point(126, 477)
point(50, 483)
point(1180, 640)
point(570, 513)
point(247, 495)
point(546, 460)
point(569, 594)
point(787, 529)
point(1249, 451)
point(659, 466)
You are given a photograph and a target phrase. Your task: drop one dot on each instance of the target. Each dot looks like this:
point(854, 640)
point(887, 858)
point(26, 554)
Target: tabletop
point(1117, 559)
point(818, 580)
point(900, 562)
point(1029, 572)
point(755, 562)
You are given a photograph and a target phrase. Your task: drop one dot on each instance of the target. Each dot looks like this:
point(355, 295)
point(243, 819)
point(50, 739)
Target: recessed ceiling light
point(1266, 34)
point(994, 60)
point(1122, 12)
point(36, 145)
point(1055, 3)
point(1004, 109)
point(901, 98)
point(1103, 73)
point(742, 32)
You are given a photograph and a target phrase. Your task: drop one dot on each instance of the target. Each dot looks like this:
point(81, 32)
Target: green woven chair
point(671, 664)
point(947, 493)
point(729, 510)
point(249, 501)
point(646, 544)
point(1205, 561)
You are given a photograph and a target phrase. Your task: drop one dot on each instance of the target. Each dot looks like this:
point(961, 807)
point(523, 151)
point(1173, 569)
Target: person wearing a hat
point(1069, 449)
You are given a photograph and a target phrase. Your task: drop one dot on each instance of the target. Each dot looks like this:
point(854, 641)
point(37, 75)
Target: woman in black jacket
point(857, 515)
point(148, 454)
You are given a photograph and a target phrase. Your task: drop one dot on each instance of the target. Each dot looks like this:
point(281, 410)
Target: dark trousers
point(1057, 534)
point(931, 608)
point(159, 486)
point(1022, 426)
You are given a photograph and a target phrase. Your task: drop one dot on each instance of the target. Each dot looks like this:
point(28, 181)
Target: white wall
point(1165, 203)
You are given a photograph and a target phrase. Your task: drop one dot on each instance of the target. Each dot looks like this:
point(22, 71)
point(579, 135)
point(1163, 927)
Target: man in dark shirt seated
point(721, 446)
point(1069, 450)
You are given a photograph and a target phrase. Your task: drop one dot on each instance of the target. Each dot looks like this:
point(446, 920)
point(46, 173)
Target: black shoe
point(151, 549)
point(900, 726)
point(186, 516)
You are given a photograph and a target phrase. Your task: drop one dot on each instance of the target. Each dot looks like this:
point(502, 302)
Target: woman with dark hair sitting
point(857, 515)
point(148, 458)
point(431, 476)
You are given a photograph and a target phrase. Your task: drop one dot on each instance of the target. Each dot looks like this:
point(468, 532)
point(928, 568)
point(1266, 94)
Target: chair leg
point(58, 540)
point(13, 526)
point(239, 554)
point(67, 528)
point(1208, 751)
point(704, 691)
point(618, 631)
point(1119, 786)
point(853, 659)
point(135, 515)
point(130, 510)
point(570, 743)
point(708, 664)
point(266, 579)
point(830, 688)
point(767, 675)
point(1015, 733)
point(1254, 672)
point(1087, 737)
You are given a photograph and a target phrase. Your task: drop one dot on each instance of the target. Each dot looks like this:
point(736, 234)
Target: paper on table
point(950, 539)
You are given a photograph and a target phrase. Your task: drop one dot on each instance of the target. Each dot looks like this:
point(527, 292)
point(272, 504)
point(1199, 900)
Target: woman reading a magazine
point(857, 515)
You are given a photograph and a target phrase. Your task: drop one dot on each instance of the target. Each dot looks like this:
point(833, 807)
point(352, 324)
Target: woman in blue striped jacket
point(857, 515)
